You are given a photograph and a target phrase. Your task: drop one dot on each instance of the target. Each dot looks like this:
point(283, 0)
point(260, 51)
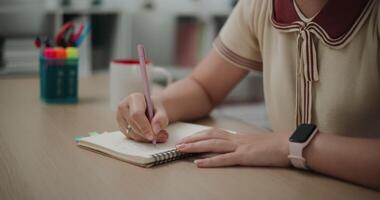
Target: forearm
point(185, 100)
point(353, 159)
point(206, 87)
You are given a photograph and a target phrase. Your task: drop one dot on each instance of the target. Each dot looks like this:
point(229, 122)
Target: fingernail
point(156, 128)
point(197, 162)
point(180, 146)
point(162, 136)
point(150, 137)
point(162, 140)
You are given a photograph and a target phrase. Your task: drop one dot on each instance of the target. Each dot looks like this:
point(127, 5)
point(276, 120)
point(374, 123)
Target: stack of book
point(19, 55)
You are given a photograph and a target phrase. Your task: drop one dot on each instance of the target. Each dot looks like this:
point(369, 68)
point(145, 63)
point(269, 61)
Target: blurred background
point(176, 34)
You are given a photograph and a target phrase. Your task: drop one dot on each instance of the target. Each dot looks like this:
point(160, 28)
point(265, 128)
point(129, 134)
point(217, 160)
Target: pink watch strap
point(296, 152)
point(295, 155)
point(298, 162)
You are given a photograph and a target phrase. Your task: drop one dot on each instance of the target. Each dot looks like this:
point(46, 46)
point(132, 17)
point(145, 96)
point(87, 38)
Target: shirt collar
point(337, 17)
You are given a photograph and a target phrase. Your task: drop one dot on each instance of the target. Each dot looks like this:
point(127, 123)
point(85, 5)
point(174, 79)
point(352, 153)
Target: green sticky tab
point(78, 138)
point(93, 133)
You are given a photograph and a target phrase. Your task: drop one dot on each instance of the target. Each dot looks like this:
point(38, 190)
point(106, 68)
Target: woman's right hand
point(134, 123)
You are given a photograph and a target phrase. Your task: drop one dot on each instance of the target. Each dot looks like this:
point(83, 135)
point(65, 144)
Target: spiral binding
point(168, 156)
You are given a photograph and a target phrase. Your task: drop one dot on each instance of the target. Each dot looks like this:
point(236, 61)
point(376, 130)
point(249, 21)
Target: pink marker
point(144, 76)
point(50, 53)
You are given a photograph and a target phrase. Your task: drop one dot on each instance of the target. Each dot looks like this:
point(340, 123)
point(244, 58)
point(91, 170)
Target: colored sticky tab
point(78, 138)
point(93, 133)
point(60, 52)
point(72, 52)
point(49, 53)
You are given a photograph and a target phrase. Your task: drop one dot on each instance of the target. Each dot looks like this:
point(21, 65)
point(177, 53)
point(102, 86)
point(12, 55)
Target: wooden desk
point(40, 160)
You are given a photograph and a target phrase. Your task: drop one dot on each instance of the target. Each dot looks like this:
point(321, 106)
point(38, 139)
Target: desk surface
point(40, 160)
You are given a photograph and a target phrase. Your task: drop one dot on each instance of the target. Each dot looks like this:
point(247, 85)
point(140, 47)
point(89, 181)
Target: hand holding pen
point(141, 117)
point(146, 82)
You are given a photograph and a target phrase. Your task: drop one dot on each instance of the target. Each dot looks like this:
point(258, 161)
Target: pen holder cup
point(59, 80)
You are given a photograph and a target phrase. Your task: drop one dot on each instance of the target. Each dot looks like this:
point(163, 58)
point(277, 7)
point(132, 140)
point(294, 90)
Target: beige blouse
point(323, 70)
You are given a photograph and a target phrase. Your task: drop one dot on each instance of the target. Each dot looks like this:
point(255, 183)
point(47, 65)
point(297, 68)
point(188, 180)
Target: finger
point(228, 159)
point(135, 126)
point(131, 134)
point(122, 119)
point(162, 136)
point(141, 123)
point(134, 133)
point(137, 113)
point(209, 145)
point(204, 135)
point(121, 122)
point(160, 120)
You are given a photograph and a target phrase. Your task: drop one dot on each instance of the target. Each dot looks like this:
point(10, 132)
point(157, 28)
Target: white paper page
point(116, 141)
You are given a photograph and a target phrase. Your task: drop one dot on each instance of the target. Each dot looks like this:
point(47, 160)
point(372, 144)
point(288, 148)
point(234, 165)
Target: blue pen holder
point(59, 80)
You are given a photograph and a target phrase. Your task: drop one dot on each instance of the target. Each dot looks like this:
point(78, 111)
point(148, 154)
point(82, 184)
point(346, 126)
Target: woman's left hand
point(267, 149)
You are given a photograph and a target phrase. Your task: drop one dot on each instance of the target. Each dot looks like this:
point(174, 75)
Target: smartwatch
point(301, 137)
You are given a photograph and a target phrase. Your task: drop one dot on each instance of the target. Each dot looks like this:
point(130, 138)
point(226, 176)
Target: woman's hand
point(266, 149)
point(131, 115)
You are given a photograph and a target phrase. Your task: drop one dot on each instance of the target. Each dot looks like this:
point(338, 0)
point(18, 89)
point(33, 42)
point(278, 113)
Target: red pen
point(144, 76)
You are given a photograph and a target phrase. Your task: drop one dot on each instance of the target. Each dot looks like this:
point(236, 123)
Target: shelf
point(86, 11)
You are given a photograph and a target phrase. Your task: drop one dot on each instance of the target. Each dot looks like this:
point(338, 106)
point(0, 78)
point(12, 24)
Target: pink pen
point(144, 76)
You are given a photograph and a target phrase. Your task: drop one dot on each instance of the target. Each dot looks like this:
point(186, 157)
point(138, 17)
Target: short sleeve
point(237, 42)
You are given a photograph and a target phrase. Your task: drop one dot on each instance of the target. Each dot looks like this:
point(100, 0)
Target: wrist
point(165, 104)
point(284, 149)
point(310, 149)
point(298, 142)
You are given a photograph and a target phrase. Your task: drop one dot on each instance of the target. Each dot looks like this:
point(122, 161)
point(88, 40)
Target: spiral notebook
point(116, 145)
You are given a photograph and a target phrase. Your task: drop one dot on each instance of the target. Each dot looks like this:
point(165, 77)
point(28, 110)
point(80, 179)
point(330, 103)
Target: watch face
point(302, 133)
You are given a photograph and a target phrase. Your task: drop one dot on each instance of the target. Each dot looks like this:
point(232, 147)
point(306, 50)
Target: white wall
point(156, 33)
